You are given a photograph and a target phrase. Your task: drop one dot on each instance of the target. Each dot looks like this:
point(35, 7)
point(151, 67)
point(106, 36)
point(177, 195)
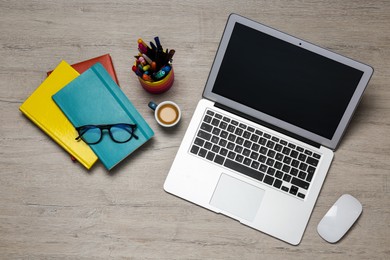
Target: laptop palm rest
point(237, 197)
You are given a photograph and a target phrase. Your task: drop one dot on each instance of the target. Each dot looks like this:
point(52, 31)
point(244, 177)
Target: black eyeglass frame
point(81, 130)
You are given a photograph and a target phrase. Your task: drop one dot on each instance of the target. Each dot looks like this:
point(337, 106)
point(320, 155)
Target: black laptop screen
point(285, 81)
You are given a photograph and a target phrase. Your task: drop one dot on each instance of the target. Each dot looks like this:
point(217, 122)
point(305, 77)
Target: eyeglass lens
point(121, 133)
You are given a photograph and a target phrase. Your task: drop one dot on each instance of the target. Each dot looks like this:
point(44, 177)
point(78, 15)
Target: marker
point(146, 77)
point(166, 68)
point(159, 75)
point(157, 40)
point(140, 41)
point(142, 48)
point(153, 66)
point(148, 60)
point(153, 46)
point(146, 68)
point(137, 71)
point(170, 55)
point(142, 61)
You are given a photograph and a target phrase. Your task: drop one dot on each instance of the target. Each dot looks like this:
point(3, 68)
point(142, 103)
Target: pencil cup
point(157, 87)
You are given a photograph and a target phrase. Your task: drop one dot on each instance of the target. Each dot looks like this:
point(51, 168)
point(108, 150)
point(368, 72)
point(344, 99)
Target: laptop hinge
point(263, 123)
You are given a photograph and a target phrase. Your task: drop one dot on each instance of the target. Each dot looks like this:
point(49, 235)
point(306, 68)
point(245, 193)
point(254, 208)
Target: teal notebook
point(93, 98)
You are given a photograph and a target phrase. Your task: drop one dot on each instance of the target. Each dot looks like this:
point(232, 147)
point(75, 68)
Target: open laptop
point(261, 140)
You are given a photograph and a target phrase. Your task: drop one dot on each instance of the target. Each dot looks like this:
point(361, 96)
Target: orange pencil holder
point(157, 87)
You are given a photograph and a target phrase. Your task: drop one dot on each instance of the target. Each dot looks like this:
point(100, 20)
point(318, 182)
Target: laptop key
point(219, 116)
point(224, 134)
point(317, 156)
point(239, 140)
point(206, 127)
point(223, 125)
point(222, 142)
point(215, 139)
point(239, 158)
point(247, 144)
point(226, 119)
point(244, 169)
point(231, 155)
point(204, 135)
point(277, 183)
point(246, 152)
point(310, 174)
point(194, 149)
point(223, 152)
point(262, 141)
point(246, 134)
point(294, 171)
point(215, 148)
point(255, 147)
point(209, 112)
point(262, 158)
point(268, 179)
point(247, 161)
point(242, 126)
point(199, 141)
point(293, 190)
point(230, 146)
point(207, 119)
point(231, 128)
point(238, 149)
point(215, 122)
point(255, 164)
point(210, 156)
point(271, 171)
point(202, 152)
point(208, 145)
point(312, 161)
point(287, 177)
point(300, 183)
point(238, 131)
point(279, 174)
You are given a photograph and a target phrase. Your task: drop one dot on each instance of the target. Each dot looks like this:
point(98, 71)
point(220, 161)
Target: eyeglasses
point(119, 133)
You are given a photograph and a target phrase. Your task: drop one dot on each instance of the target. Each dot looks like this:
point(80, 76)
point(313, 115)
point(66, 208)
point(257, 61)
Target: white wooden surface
point(51, 208)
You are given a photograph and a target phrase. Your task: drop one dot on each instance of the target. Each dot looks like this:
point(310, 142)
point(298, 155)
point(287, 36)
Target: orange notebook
point(105, 60)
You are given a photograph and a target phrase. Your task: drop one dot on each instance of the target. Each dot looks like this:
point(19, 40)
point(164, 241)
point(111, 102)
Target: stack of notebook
point(68, 99)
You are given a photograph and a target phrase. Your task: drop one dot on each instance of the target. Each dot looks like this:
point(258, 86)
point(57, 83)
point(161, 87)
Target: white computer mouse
point(339, 218)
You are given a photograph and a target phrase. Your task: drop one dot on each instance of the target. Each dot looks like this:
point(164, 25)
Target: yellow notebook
point(41, 109)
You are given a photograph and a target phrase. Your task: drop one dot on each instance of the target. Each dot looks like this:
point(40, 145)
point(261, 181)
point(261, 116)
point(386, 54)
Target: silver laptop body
point(261, 141)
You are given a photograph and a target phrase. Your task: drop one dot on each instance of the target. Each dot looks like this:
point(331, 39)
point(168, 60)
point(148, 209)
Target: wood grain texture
point(51, 208)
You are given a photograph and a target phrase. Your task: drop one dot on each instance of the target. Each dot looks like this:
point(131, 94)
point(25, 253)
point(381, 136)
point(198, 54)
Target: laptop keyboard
point(278, 163)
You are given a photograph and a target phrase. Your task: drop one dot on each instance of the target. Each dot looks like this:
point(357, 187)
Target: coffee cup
point(167, 113)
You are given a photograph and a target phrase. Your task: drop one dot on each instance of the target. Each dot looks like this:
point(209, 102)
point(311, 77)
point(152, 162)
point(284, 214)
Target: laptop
point(262, 138)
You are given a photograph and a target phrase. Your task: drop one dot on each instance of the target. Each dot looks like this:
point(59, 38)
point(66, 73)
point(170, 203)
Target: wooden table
point(52, 208)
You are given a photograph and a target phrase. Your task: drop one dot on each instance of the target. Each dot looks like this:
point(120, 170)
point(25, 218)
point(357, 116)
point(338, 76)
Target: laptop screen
point(285, 81)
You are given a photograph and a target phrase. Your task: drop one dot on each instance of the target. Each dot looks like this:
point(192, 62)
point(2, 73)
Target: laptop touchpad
point(237, 197)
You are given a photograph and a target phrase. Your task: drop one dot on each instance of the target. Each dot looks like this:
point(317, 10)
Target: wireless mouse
point(339, 218)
